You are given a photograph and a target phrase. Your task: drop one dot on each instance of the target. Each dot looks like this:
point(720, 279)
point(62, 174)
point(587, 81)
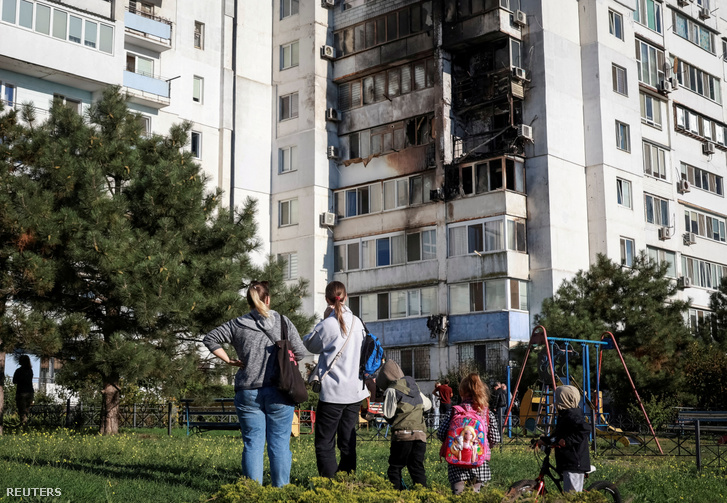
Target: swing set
point(558, 352)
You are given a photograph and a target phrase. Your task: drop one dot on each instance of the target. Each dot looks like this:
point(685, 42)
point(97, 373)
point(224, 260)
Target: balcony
point(397, 276)
point(146, 89)
point(479, 28)
point(509, 325)
point(488, 265)
point(148, 31)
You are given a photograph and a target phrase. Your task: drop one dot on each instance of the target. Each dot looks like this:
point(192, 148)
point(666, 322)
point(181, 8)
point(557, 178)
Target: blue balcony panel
point(148, 26)
point(146, 84)
point(512, 326)
point(405, 332)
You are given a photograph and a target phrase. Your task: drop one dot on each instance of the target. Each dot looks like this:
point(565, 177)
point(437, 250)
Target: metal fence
point(83, 416)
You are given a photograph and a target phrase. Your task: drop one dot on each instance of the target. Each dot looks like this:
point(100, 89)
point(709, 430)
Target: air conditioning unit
point(332, 115)
point(519, 73)
point(665, 86)
point(690, 238)
point(328, 219)
point(328, 52)
point(674, 83)
point(704, 13)
point(525, 131)
point(328, 4)
point(684, 282)
point(664, 233)
point(333, 153)
point(519, 18)
point(708, 148)
point(683, 186)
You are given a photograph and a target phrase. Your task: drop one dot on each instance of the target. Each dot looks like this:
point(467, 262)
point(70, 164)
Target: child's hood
point(390, 373)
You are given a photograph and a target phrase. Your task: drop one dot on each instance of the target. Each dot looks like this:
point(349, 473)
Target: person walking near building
point(338, 340)
point(444, 392)
point(265, 414)
point(24, 393)
point(500, 403)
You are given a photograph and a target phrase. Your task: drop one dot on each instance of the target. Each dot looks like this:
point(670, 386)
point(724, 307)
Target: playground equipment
point(537, 410)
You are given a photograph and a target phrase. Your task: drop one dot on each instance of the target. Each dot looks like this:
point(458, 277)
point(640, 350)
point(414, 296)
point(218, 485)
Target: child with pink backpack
point(468, 432)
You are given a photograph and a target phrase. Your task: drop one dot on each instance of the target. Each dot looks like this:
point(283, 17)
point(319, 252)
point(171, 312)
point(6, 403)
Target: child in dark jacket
point(404, 407)
point(572, 459)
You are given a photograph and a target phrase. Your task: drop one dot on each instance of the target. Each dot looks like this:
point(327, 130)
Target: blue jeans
point(265, 414)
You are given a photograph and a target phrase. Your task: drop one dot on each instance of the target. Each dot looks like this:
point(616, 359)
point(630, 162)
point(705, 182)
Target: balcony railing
point(153, 28)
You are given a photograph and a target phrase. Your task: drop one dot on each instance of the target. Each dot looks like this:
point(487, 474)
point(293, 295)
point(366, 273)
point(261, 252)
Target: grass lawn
point(148, 466)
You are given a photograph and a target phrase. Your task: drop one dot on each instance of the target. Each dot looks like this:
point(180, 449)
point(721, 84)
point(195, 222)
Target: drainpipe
point(234, 112)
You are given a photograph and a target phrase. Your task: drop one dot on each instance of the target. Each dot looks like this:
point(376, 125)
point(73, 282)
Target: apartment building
point(450, 161)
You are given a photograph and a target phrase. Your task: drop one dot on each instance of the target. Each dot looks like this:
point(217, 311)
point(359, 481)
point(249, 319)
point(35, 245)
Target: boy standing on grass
point(404, 407)
point(570, 436)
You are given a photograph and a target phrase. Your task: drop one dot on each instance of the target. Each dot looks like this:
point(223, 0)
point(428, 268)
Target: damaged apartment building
point(427, 134)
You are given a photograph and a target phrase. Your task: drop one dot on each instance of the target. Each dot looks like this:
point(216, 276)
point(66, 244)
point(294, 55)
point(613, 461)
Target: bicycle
point(537, 487)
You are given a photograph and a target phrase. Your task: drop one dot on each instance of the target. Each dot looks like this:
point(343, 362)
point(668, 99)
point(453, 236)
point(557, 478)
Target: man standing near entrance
point(444, 392)
point(500, 403)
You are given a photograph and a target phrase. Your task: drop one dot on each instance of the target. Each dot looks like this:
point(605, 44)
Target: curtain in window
point(398, 249)
point(493, 235)
point(459, 298)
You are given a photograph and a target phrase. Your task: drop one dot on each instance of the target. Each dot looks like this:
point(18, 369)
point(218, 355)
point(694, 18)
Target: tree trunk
point(110, 406)
point(2, 389)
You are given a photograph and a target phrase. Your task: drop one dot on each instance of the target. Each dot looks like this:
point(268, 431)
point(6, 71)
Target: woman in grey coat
point(264, 412)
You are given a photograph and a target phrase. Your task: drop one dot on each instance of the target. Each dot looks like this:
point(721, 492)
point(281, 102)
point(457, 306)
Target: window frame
point(656, 110)
point(641, 46)
point(292, 106)
point(290, 272)
point(617, 70)
point(658, 15)
point(648, 149)
point(196, 153)
point(289, 208)
point(294, 48)
point(696, 177)
point(657, 210)
point(198, 89)
point(290, 9)
point(199, 35)
point(628, 251)
point(624, 198)
point(292, 155)
point(620, 139)
point(615, 19)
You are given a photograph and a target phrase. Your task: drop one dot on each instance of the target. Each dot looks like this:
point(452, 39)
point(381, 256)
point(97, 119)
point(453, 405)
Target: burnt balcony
point(462, 30)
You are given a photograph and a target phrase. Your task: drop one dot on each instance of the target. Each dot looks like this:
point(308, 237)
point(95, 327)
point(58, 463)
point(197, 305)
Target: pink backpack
point(466, 444)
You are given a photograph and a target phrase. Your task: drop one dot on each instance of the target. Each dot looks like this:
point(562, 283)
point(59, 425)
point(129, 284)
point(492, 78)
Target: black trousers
point(335, 419)
point(410, 454)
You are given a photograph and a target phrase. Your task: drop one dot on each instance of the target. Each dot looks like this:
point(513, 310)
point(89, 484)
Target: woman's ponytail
point(335, 296)
point(257, 294)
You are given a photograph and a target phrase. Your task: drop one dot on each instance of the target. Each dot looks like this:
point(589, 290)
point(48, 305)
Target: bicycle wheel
point(521, 488)
point(609, 490)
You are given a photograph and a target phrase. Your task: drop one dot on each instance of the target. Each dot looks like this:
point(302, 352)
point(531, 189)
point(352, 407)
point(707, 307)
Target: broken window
point(418, 130)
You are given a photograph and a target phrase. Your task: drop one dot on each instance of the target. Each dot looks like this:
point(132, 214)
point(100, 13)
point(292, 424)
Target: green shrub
point(366, 487)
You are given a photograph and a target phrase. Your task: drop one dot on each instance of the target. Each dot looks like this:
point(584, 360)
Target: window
point(518, 295)
point(288, 159)
point(657, 210)
point(196, 144)
point(288, 8)
point(662, 257)
point(697, 80)
point(476, 237)
point(9, 7)
point(59, 24)
point(414, 362)
point(140, 65)
point(478, 296)
point(8, 96)
point(288, 212)
point(197, 89)
point(69, 103)
point(516, 235)
point(616, 24)
point(695, 33)
point(396, 304)
point(623, 141)
point(495, 174)
point(623, 192)
point(145, 124)
point(703, 179)
point(650, 63)
point(387, 250)
point(489, 357)
point(289, 55)
point(142, 8)
point(705, 225)
point(90, 36)
point(699, 318)
point(627, 252)
point(358, 201)
point(650, 110)
point(421, 246)
point(75, 29)
point(198, 35)
point(389, 137)
point(618, 75)
point(288, 106)
point(654, 160)
point(290, 265)
point(702, 273)
point(386, 28)
point(648, 13)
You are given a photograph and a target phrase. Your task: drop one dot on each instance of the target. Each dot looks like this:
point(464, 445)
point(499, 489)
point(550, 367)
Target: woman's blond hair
point(472, 388)
point(257, 294)
point(335, 295)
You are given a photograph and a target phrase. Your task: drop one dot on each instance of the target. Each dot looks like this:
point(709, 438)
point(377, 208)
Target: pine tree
point(126, 259)
point(637, 305)
point(718, 321)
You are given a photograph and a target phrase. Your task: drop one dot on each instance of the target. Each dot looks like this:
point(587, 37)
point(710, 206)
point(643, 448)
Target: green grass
point(148, 466)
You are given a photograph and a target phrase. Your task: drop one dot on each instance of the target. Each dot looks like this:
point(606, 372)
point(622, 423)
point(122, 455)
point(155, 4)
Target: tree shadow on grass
point(158, 473)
